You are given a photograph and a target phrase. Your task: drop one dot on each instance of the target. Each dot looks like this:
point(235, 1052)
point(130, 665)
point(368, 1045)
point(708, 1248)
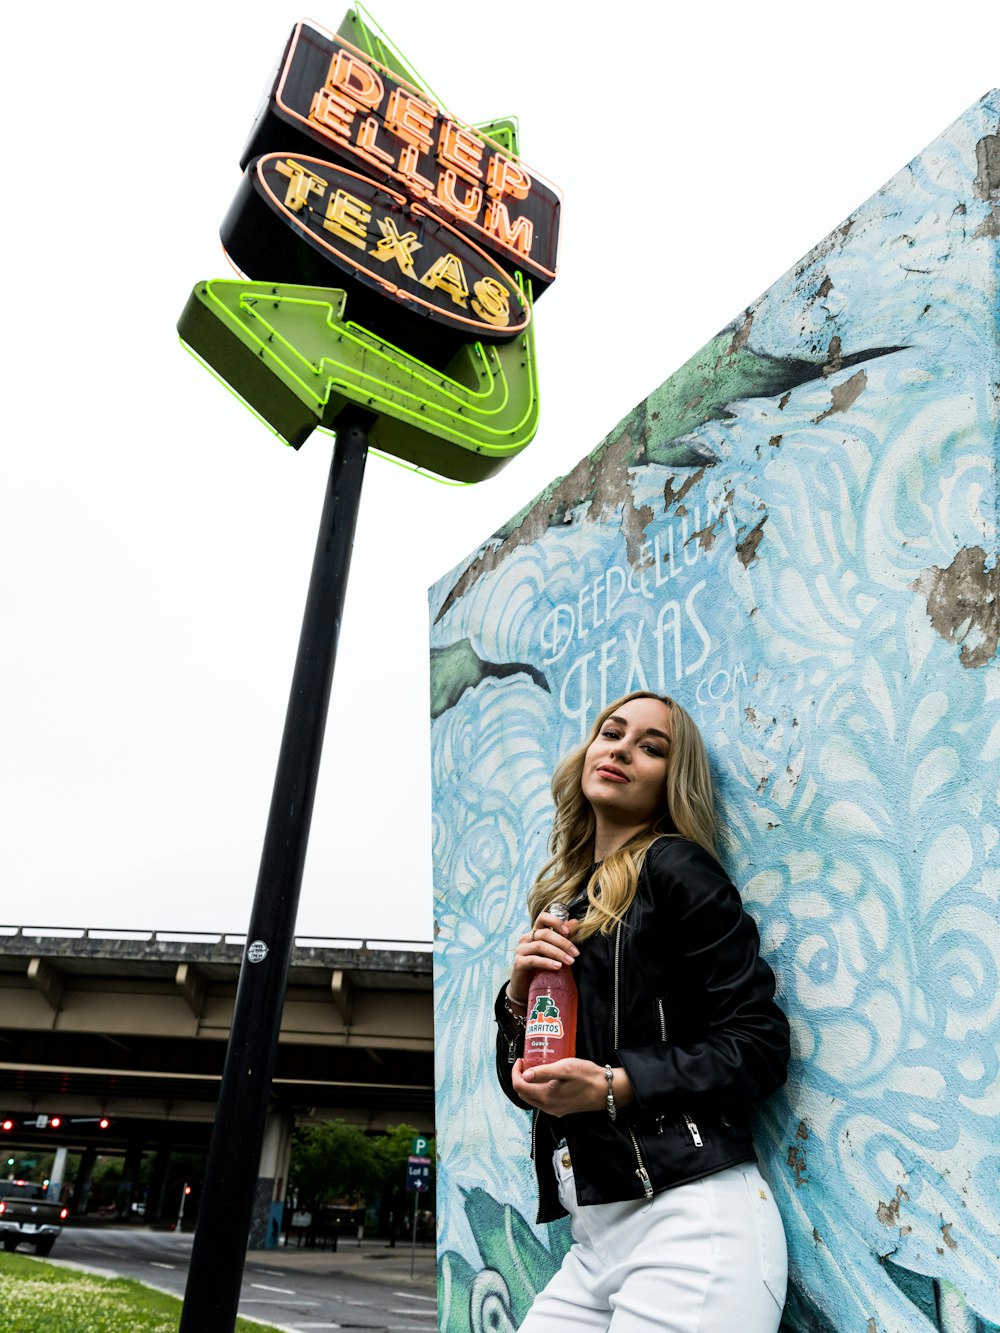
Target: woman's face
point(625, 767)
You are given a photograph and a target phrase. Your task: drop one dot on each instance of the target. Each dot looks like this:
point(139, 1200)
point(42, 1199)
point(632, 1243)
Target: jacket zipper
point(641, 1172)
point(618, 954)
point(692, 1128)
point(663, 1036)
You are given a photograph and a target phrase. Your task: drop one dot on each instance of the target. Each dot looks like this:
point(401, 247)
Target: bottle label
point(544, 1021)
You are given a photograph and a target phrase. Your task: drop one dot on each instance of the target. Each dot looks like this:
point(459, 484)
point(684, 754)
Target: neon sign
point(391, 255)
point(291, 355)
point(329, 93)
point(371, 237)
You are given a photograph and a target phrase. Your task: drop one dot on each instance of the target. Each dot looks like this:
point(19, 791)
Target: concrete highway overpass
point(130, 1028)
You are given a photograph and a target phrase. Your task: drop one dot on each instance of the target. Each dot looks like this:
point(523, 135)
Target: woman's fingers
point(542, 949)
point(546, 921)
point(545, 948)
point(541, 1074)
point(527, 965)
point(566, 1069)
point(551, 937)
point(563, 1087)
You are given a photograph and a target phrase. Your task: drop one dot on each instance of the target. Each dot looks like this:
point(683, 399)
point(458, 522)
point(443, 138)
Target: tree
point(330, 1161)
point(391, 1152)
point(335, 1160)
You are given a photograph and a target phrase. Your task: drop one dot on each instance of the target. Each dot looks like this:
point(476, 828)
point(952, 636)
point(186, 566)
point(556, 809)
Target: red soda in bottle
point(550, 1025)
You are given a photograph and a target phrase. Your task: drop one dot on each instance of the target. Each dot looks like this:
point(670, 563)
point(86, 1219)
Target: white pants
point(708, 1257)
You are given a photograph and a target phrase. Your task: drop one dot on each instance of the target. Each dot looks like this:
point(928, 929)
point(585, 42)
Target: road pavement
point(358, 1287)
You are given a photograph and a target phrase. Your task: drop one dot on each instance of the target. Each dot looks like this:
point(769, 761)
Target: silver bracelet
point(508, 1004)
point(609, 1074)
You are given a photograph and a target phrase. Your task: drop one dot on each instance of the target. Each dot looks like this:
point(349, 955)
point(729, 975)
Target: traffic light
point(44, 1121)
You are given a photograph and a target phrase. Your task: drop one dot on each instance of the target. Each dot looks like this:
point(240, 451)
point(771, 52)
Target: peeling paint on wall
point(987, 182)
point(746, 548)
point(888, 1213)
point(845, 395)
point(797, 1160)
point(963, 602)
point(796, 535)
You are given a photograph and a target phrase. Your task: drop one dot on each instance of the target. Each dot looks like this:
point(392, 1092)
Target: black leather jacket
point(679, 995)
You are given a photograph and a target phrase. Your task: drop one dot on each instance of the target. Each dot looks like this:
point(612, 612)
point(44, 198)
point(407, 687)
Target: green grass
point(37, 1297)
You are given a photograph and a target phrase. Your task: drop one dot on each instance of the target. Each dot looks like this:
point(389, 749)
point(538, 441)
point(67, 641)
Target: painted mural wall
point(796, 535)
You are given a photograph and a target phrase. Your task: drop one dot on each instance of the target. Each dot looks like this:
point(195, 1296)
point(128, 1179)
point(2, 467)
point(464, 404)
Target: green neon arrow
point(291, 355)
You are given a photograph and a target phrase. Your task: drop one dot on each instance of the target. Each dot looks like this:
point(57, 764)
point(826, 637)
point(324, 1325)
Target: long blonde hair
point(688, 812)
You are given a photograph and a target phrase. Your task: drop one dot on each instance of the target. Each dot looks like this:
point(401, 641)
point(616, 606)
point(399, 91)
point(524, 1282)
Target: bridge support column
point(158, 1181)
point(130, 1175)
point(81, 1186)
point(272, 1181)
point(57, 1176)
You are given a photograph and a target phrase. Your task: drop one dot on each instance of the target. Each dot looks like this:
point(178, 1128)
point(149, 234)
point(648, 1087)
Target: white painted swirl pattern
point(855, 749)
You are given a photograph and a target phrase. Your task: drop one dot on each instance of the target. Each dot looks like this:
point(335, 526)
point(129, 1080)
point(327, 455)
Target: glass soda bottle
point(550, 1025)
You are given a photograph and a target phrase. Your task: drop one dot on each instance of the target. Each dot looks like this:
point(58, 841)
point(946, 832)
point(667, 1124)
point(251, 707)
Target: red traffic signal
point(103, 1123)
point(54, 1122)
point(7, 1126)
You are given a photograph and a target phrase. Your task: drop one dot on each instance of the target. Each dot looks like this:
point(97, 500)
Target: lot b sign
point(418, 1174)
point(391, 255)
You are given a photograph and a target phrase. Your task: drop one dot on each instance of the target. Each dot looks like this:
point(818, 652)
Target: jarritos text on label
point(544, 1024)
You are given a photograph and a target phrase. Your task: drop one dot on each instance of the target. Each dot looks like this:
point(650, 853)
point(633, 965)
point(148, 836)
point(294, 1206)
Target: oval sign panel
point(370, 235)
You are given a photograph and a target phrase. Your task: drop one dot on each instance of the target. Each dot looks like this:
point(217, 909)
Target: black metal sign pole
point(211, 1298)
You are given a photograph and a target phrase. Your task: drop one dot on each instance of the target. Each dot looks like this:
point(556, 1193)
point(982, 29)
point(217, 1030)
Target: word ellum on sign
point(331, 93)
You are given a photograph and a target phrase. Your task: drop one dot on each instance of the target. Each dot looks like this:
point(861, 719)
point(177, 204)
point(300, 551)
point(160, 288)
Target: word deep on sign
point(330, 92)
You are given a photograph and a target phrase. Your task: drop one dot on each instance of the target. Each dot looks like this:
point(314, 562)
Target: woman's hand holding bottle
point(546, 948)
point(566, 1087)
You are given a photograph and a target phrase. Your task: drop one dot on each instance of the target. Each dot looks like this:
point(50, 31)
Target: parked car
point(28, 1216)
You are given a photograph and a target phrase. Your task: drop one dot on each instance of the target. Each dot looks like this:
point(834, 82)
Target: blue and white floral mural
point(796, 535)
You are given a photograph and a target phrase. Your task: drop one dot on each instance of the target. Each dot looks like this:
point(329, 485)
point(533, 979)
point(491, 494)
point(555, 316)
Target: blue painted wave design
point(855, 756)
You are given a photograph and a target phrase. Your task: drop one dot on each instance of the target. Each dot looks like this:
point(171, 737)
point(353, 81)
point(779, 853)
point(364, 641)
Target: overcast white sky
point(156, 540)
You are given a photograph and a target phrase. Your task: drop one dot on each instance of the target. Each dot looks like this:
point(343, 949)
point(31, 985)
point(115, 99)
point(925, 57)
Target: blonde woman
point(644, 1137)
